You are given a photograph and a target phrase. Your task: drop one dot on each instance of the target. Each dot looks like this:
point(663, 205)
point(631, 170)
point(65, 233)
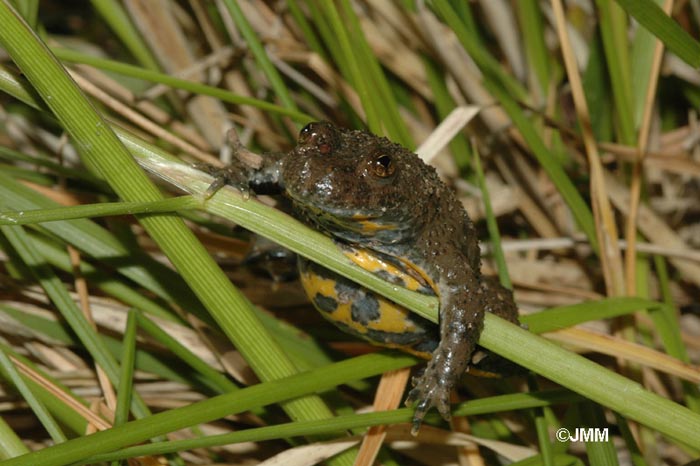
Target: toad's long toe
point(430, 389)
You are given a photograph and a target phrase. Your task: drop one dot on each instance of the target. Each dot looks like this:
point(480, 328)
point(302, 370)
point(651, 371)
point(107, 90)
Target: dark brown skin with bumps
point(366, 191)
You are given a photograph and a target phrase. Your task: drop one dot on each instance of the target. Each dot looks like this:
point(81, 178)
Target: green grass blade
point(602, 386)
point(626, 396)
point(100, 148)
point(100, 244)
point(545, 444)
point(59, 296)
point(476, 50)
point(126, 374)
point(492, 225)
point(10, 444)
point(532, 26)
point(260, 54)
point(670, 333)
point(204, 411)
point(557, 318)
point(599, 453)
point(145, 360)
point(613, 28)
point(380, 91)
point(444, 104)
point(177, 83)
point(35, 403)
point(652, 17)
point(473, 407)
point(596, 86)
point(40, 161)
point(352, 65)
point(502, 87)
point(25, 217)
point(220, 382)
point(310, 37)
point(327, 35)
point(549, 163)
point(115, 16)
point(65, 413)
point(636, 456)
point(55, 254)
point(641, 61)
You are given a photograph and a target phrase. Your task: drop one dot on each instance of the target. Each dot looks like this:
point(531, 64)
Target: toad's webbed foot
point(235, 175)
point(248, 171)
point(430, 389)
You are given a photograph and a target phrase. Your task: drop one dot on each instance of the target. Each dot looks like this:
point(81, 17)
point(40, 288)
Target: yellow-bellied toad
point(395, 217)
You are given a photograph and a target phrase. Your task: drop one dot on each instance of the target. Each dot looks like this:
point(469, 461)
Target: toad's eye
point(320, 135)
point(383, 166)
point(306, 133)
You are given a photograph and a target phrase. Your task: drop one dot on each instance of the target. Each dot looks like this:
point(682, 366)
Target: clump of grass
point(584, 122)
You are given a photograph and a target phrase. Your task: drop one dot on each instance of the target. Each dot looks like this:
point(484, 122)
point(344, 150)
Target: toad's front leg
point(248, 171)
point(461, 322)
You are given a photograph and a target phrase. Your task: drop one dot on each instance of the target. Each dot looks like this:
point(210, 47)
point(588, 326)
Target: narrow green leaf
point(213, 408)
point(380, 91)
point(599, 453)
point(260, 54)
point(549, 163)
point(42, 161)
point(596, 86)
point(643, 46)
point(150, 362)
point(310, 37)
point(55, 254)
point(66, 414)
point(557, 318)
point(25, 217)
point(669, 331)
point(29, 9)
point(100, 148)
point(352, 65)
point(545, 444)
point(602, 386)
point(532, 26)
point(126, 373)
point(10, 444)
point(100, 244)
point(492, 225)
point(652, 17)
point(59, 296)
point(613, 27)
point(444, 104)
point(115, 16)
point(486, 62)
point(35, 403)
point(340, 423)
point(177, 83)
point(220, 382)
point(636, 456)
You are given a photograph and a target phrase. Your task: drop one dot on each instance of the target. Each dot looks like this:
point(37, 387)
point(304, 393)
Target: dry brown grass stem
point(637, 171)
point(606, 229)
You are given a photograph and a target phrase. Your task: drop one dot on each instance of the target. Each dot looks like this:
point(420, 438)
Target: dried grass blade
point(606, 230)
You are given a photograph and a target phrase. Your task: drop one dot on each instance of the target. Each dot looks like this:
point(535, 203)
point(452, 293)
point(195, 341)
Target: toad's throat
point(337, 219)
